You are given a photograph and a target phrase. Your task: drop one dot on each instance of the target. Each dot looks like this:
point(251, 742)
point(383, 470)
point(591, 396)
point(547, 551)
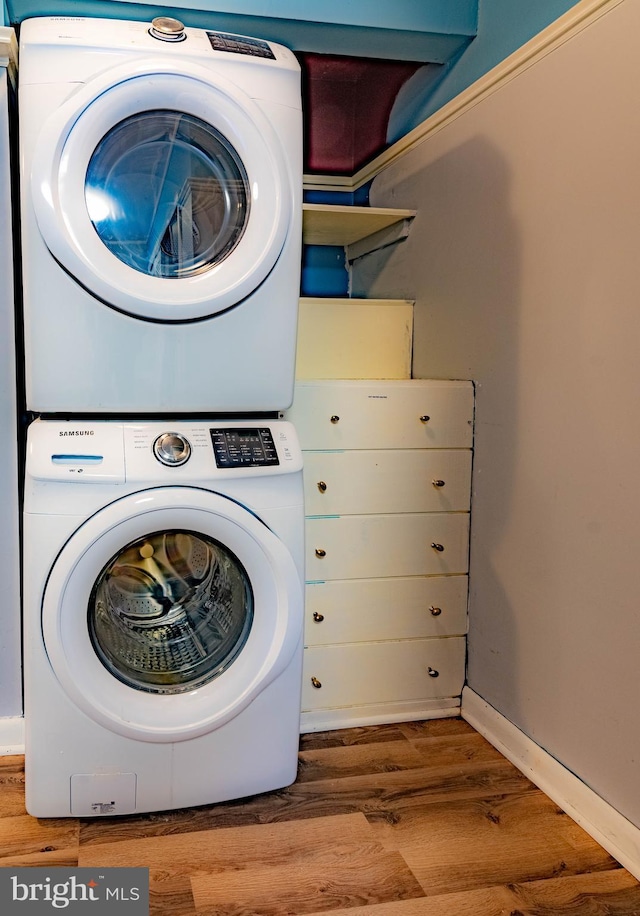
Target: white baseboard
point(607, 826)
point(11, 735)
point(320, 720)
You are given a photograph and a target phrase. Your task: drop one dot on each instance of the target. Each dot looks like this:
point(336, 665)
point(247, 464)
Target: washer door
point(167, 613)
point(164, 194)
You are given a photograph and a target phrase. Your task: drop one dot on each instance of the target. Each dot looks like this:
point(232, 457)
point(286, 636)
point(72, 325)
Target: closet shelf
point(329, 224)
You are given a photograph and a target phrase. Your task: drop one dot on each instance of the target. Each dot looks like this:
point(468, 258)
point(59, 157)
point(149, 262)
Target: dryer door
point(167, 613)
point(167, 195)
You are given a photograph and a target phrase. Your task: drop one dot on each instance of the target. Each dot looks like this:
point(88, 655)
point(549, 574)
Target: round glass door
point(167, 194)
point(170, 611)
point(166, 214)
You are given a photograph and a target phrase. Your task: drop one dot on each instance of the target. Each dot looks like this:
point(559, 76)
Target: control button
point(167, 29)
point(172, 449)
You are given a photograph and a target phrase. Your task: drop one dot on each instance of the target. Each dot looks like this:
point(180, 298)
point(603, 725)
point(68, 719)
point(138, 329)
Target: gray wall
point(525, 264)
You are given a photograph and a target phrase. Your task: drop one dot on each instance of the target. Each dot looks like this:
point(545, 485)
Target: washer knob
point(172, 449)
point(167, 29)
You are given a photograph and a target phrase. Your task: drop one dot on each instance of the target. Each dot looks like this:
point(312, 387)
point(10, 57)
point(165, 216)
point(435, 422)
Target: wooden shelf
point(328, 224)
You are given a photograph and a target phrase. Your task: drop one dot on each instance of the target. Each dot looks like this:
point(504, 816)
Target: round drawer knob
point(438, 483)
point(438, 547)
point(322, 486)
point(335, 419)
point(424, 418)
point(435, 611)
point(316, 683)
point(318, 617)
point(320, 553)
point(433, 672)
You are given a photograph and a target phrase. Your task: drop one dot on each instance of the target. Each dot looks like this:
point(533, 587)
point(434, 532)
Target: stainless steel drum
point(170, 611)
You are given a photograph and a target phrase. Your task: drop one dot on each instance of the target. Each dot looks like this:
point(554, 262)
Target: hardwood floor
point(416, 819)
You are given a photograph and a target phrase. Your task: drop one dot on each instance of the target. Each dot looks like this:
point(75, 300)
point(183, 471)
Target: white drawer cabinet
point(338, 414)
point(370, 610)
point(391, 480)
point(361, 546)
point(406, 670)
point(387, 474)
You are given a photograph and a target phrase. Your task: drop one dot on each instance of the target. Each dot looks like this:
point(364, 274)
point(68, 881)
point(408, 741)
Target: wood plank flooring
point(415, 819)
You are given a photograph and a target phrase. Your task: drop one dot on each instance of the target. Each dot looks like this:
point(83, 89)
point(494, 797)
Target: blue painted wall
point(437, 30)
point(403, 30)
point(503, 27)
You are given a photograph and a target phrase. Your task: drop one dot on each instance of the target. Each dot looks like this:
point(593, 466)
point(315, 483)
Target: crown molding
point(574, 21)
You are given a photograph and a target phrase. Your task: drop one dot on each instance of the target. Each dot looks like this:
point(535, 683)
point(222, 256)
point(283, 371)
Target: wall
point(524, 263)
point(404, 30)
point(10, 650)
point(503, 26)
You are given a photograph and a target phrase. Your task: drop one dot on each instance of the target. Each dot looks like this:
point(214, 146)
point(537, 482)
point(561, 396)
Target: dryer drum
point(170, 611)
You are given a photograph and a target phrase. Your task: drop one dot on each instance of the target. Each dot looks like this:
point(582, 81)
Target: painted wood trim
point(8, 46)
point(574, 21)
point(11, 735)
point(9, 51)
point(320, 720)
point(597, 817)
point(346, 301)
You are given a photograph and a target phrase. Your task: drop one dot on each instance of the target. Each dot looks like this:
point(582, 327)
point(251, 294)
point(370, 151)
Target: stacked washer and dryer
point(161, 172)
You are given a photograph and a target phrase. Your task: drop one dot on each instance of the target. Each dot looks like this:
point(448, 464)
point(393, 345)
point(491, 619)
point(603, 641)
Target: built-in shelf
point(328, 224)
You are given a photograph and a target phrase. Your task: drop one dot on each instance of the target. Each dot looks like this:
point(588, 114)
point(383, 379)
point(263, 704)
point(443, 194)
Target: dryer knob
point(172, 449)
point(167, 29)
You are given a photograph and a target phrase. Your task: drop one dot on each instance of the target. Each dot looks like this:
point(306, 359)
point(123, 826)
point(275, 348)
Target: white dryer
point(163, 610)
point(161, 172)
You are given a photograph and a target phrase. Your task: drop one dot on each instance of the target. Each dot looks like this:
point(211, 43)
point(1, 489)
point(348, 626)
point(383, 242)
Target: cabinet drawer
point(372, 546)
point(382, 672)
point(376, 481)
point(354, 338)
point(369, 415)
point(365, 610)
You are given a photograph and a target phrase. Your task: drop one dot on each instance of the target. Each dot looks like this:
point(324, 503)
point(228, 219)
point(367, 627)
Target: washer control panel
point(251, 447)
point(108, 452)
point(172, 449)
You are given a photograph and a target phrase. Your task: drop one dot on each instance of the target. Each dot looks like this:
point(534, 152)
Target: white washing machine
point(161, 172)
point(163, 606)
